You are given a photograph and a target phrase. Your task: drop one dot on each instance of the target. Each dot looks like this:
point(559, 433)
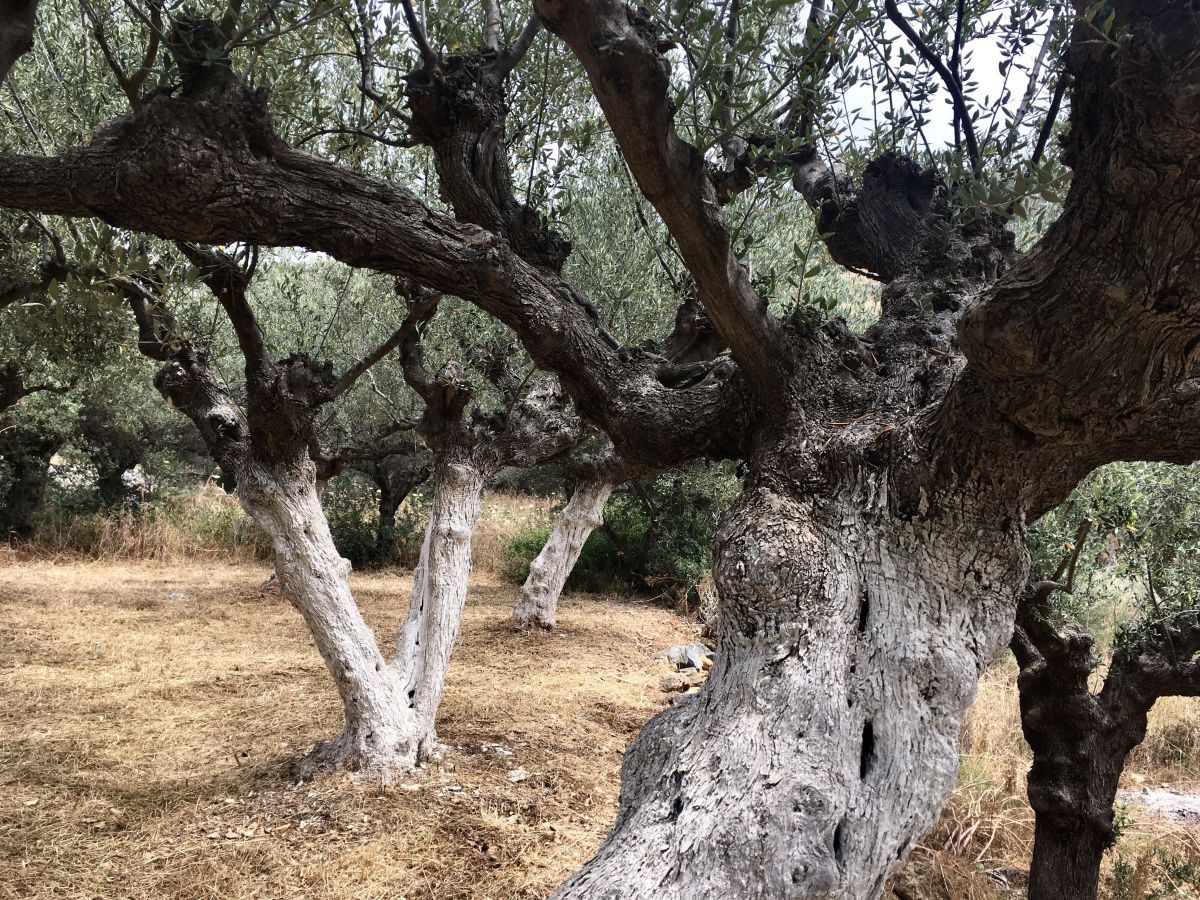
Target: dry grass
point(152, 711)
point(504, 516)
point(151, 714)
point(204, 524)
point(985, 836)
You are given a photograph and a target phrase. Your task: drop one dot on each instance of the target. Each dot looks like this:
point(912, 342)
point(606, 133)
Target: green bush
point(655, 538)
point(351, 506)
point(520, 550)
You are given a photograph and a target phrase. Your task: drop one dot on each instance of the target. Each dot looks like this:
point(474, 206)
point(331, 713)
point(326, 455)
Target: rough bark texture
point(381, 735)
point(537, 604)
point(1081, 739)
point(824, 742)
point(440, 586)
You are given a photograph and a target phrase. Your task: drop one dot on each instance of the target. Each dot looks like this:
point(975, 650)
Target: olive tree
point(872, 565)
point(1148, 519)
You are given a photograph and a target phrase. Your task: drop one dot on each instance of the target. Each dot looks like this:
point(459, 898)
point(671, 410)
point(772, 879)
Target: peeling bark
point(537, 603)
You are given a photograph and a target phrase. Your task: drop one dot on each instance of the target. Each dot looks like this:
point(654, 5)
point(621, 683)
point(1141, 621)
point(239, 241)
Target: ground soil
point(151, 714)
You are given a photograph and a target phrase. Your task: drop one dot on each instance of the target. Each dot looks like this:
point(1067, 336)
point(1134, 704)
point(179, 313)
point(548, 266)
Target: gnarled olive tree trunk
point(439, 586)
point(1081, 739)
point(824, 742)
point(382, 733)
point(537, 603)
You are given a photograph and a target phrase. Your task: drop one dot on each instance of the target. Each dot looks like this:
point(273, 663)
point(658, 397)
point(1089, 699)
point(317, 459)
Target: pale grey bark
point(439, 587)
point(824, 741)
point(389, 704)
point(537, 604)
point(381, 733)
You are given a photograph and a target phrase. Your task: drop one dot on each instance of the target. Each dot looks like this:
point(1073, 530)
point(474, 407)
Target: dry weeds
point(151, 713)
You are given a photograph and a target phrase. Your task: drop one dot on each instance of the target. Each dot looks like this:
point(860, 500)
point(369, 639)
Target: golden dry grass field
point(151, 711)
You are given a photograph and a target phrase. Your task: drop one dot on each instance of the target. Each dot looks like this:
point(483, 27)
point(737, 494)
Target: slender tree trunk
point(549, 571)
point(385, 535)
point(1080, 742)
point(382, 734)
point(823, 744)
point(439, 589)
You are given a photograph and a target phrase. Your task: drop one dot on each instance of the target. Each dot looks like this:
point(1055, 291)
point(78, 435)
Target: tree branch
point(417, 31)
point(1086, 347)
point(229, 282)
point(512, 58)
point(152, 170)
point(360, 368)
point(618, 47)
point(948, 78)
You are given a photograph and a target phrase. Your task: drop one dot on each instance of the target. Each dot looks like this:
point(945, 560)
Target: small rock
point(684, 697)
point(692, 655)
point(672, 682)
point(516, 776)
point(178, 597)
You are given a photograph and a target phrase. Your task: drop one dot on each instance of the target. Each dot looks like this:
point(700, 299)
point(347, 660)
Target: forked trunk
point(389, 705)
point(439, 590)
point(1080, 741)
point(823, 744)
point(381, 734)
point(537, 604)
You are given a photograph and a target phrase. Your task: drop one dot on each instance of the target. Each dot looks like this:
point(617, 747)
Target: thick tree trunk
point(382, 735)
point(549, 571)
point(823, 744)
point(439, 589)
point(1066, 861)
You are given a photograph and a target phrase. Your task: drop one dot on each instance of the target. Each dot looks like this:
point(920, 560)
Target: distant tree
point(593, 476)
point(1148, 521)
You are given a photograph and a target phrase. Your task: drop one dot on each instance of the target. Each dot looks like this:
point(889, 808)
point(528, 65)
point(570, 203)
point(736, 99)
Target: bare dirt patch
point(151, 714)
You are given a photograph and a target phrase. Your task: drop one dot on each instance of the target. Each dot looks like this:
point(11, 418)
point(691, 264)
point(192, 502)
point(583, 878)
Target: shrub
point(655, 537)
point(352, 508)
point(520, 550)
point(198, 525)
